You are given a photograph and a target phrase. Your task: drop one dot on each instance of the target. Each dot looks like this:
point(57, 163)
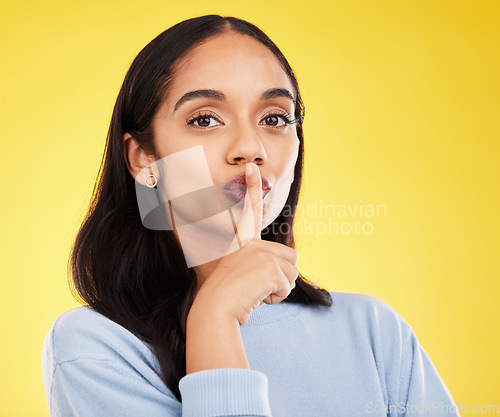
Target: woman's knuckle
point(262, 257)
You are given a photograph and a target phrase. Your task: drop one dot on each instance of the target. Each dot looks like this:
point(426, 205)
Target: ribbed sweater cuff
point(225, 392)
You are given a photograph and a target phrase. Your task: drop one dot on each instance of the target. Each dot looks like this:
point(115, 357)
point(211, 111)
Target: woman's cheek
point(277, 197)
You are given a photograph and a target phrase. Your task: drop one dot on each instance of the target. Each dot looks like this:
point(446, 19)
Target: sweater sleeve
point(92, 367)
point(225, 392)
point(421, 389)
point(100, 387)
point(91, 387)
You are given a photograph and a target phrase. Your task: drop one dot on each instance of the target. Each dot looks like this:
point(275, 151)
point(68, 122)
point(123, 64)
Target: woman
point(208, 109)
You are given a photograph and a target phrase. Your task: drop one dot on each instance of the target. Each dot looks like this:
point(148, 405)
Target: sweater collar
point(268, 313)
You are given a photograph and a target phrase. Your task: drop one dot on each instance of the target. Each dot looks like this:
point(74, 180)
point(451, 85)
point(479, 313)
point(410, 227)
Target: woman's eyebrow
point(218, 95)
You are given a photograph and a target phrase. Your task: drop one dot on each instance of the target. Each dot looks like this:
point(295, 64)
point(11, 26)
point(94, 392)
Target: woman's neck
point(203, 271)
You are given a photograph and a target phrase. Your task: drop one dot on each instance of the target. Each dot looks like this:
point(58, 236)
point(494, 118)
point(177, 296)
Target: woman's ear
point(135, 158)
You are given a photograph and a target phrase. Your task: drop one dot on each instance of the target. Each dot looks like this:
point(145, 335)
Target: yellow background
point(402, 110)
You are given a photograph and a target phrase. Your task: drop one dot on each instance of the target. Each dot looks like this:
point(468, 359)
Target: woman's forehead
point(232, 63)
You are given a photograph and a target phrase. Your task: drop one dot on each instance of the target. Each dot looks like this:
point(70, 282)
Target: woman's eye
point(277, 120)
point(204, 120)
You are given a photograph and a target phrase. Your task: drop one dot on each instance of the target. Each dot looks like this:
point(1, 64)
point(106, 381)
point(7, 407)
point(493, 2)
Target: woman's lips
point(237, 187)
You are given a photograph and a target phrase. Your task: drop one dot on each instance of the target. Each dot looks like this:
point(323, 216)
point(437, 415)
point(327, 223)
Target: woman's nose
point(246, 146)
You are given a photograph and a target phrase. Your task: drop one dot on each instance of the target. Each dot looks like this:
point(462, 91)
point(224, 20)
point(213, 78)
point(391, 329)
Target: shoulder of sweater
point(371, 313)
point(83, 333)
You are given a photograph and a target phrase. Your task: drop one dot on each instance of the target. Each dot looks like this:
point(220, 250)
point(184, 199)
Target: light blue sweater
point(356, 358)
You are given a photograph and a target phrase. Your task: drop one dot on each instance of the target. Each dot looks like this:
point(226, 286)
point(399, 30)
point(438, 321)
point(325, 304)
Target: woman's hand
point(260, 271)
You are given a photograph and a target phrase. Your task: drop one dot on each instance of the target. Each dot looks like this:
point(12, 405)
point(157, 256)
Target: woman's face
point(237, 105)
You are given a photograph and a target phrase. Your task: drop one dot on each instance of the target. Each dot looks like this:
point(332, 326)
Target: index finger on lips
point(252, 211)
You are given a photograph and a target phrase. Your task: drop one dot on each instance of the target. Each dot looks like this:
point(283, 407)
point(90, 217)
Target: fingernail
point(249, 168)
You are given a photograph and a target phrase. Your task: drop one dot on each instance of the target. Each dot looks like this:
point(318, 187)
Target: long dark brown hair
point(138, 277)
